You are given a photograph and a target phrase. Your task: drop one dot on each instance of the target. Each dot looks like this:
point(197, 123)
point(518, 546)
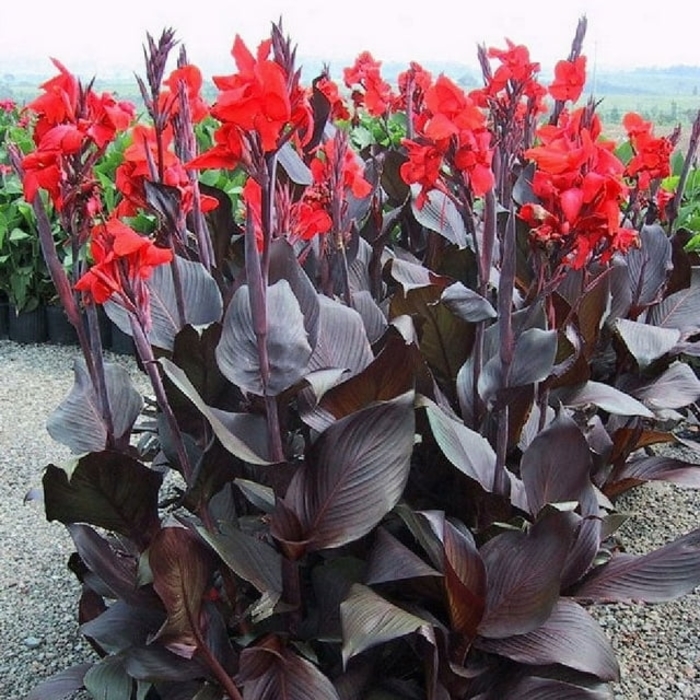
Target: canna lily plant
point(396, 388)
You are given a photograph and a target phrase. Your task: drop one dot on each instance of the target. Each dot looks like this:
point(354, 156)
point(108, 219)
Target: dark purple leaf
point(464, 448)
point(233, 430)
point(354, 474)
point(677, 387)
point(78, 423)
point(390, 560)
point(372, 316)
point(604, 397)
point(271, 671)
point(679, 310)
point(467, 304)
point(648, 266)
point(583, 550)
point(288, 348)
point(440, 214)
point(331, 583)
point(536, 688)
point(109, 680)
point(660, 468)
point(342, 340)
point(556, 468)
point(293, 165)
point(115, 571)
point(665, 574)
point(284, 265)
point(248, 557)
point(165, 201)
point(156, 664)
point(262, 497)
point(181, 568)
point(524, 575)
point(465, 575)
point(570, 637)
point(533, 357)
point(122, 626)
point(369, 620)
point(201, 301)
point(60, 685)
point(106, 489)
point(646, 343)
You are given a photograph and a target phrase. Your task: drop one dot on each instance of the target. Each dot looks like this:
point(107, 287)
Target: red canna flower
point(191, 76)
point(569, 79)
point(58, 102)
point(374, 92)
point(107, 117)
point(652, 155)
point(352, 176)
point(329, 89)
point(123, 261)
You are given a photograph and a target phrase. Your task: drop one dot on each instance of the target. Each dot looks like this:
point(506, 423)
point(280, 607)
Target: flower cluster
point(450, 131)
point(652, 155)
point(259, 107)
point(579, 183)
point(369, 89)
point(69, 120)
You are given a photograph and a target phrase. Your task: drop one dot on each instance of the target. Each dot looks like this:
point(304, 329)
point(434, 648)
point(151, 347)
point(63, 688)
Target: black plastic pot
point(58, 328)
point(28, 326)
point(4, 318)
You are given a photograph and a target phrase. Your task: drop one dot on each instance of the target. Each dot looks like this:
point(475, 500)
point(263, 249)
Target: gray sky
point(622, 33)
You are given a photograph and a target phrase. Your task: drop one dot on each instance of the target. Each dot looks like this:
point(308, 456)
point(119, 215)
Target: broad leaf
point(605, 397)
point(288, 349)
point(679, 310)
point(556, 468)
point(226, 426)
point(465, 575)
point(78, 423)
point(155, 663)
point(122, 626)
point(115, 571)
point(390, 560)
point(271, 671)
point(106, 489)
point(464, 448)
point(677, 387)
point(440, 214)
point(537, 688)
point(60, 685)
point(524, 576)
point(467, 304)
point(660, 468)
point(181, 570)
point(354, 474)
point(570, 637)
point(293, 165)
point(648, 266)
point(646, 343)
point(202, 303)
point(665, 574)
point(108, 680)
point(250, 558)
point(342, 340)
point(369, 620)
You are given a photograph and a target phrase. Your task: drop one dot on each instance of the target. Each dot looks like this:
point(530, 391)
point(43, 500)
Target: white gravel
point(658, 646)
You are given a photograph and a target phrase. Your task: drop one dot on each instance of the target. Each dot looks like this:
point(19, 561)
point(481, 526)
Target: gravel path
point(658, 646)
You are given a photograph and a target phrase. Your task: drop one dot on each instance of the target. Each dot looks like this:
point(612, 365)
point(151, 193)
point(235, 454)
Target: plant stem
point(145, 351)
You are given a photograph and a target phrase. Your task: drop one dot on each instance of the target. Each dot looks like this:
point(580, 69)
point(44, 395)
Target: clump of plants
point(398, 380)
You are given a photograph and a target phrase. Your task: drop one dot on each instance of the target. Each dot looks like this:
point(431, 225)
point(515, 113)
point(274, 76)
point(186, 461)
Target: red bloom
point(123, 260)
point(652, 156)
point(256, 98)
point(191, 76)
point(376, 94)
point(58, 103)
point(569, 79)
point(42, 170)
point(515, 67)
point(107, 117)
point(329, 89)
point(352, 176)
point(580, 187)
point(422, 167)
